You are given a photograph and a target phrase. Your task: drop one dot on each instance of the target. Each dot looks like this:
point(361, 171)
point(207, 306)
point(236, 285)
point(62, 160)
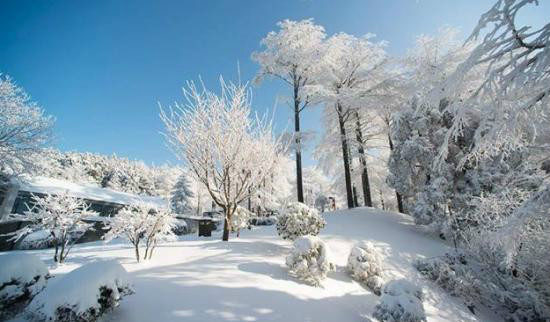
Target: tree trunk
point(363, 160)
point(345, 155)
point(56, 251)
point(397, 195)
point(137, 252)
point(151, 252)
point(299, 183)
point(225, 236)
point(355, 199)
point(62, 252)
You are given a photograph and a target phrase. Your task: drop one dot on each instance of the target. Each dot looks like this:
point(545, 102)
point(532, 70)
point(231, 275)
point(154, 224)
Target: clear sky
point(101, 67)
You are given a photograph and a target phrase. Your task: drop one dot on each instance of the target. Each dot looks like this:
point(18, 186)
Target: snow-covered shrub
point(180, 227)
point(82, 295)
point(298, 220)
point(264, 221)
point(142, 223)
point(22, 276)
point(39, 239)
point(401, 301)
point(507, 295)
point(309, 260)
point(365, 265)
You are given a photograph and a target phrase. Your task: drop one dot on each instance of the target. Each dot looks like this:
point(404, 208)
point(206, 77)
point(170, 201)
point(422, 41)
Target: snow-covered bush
point(39, 239)
point(401, 301)
point(22, 276)
point(264, 221)
point(142, 223)
point(62, 215)
point(475, 282)
point(180, 227)
point(365, 265)
point(309, 260)
point(298, 220)
point(82, 295)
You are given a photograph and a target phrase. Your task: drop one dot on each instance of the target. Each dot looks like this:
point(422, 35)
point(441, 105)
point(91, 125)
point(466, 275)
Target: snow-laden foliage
point(513, 94)
point(476, 283)
point(309, 260)
point(142, 223)
point(401, 301)
point(365, 265)
point(24, 129)
point(240, 219)
point(225, 148)
point(62, 215)
point(299, 220)
point(112, 172)
point(39, 239)
point(82, 295)
point(22, 276)
point(180, 200)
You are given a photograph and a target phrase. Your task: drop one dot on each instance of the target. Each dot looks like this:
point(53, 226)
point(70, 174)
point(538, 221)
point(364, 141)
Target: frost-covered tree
point(141, 223)
point(226, 149)
point(350, 66)
point(24, 129)
point(292, 54)
point(62, 215)
point(181, 198)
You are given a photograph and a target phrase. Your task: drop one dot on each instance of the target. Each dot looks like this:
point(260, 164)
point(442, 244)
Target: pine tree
point(180, 200)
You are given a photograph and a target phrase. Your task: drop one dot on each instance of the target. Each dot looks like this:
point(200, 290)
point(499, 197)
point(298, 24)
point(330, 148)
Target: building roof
point(86, 191)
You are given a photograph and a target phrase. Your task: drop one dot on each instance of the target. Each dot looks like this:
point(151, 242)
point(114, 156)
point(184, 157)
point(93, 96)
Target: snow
point(45, 185)
point(20, 267)
point(79, 289)
point(245, 279)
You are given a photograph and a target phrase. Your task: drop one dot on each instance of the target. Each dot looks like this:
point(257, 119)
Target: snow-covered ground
point(246, 279)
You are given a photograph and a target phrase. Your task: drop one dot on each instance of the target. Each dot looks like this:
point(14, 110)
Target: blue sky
point(101, 67)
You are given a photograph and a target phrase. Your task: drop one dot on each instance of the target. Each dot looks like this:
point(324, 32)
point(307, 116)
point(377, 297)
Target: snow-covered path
point(246, 280)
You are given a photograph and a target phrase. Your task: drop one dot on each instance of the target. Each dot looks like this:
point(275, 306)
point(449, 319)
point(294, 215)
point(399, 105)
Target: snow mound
point(83, 294)
point(22, 276)
point(401, 301)
point(365, 265)
point(39, 239)
point(299, 220)
point(309, 260)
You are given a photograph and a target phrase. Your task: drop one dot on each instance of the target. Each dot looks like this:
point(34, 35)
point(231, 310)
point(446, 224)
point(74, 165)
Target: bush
point(505, 294)
point(180, 227)
point(401, 301)
point(39, 239)
point(22, 276)
point(309, 260)
point(263, 221)
point(365, 265)
point(299, 220)
point(82, 295)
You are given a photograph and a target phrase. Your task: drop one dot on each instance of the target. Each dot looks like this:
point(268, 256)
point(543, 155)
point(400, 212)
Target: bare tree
point(226, 149)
